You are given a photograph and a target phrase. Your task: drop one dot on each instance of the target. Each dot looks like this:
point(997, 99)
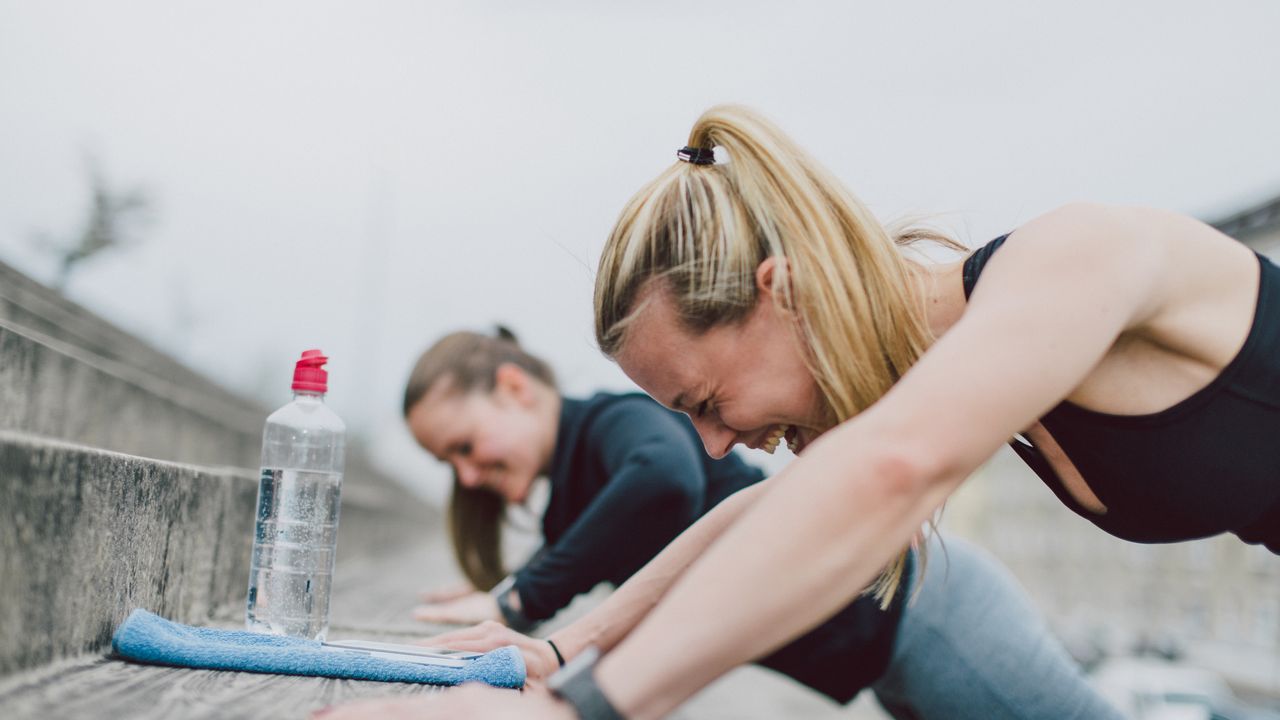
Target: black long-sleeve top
point(628, 476)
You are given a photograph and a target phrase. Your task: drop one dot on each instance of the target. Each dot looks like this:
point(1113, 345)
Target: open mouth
point(794, 442)
point(777, 435)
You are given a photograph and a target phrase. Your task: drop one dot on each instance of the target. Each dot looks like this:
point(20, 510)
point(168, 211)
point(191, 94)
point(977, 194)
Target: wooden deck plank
point(103, 687)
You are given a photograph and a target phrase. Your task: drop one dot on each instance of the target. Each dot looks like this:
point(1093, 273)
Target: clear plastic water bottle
point(296, 536)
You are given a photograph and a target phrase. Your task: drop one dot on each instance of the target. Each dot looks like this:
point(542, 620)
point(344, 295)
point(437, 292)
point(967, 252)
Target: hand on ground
point(474, 607)
point(469, 701)
point(539, 659)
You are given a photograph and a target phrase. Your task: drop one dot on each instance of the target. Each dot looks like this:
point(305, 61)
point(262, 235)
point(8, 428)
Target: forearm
point(643, 508)
point(812, 542)
point(608, 623)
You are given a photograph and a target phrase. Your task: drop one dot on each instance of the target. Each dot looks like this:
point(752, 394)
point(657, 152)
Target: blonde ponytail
point(704, 229)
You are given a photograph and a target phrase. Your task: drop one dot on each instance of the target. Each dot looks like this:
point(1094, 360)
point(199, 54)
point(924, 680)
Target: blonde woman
point(1131, 356)
point(626, 476)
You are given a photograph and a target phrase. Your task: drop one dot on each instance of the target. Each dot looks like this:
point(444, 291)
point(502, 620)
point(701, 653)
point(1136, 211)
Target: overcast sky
point(365, 176)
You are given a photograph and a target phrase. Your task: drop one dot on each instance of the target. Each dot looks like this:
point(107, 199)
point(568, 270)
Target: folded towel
point(149, 638)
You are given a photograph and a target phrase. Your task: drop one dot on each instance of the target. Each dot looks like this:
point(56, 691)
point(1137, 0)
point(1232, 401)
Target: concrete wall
point(27, 304)
point(57, 390)
point(88, 535)
point(127, 480)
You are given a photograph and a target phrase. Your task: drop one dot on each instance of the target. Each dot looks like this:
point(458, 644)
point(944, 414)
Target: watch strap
point(515, 619)
point(575, 683)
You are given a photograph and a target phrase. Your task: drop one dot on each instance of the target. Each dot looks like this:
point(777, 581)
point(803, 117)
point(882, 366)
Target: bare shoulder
point(1046, 320)
point(1157, 260)
point(1120, 228)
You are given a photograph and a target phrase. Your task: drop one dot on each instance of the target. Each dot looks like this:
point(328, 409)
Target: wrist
point(560, 659)
point(509, 606)
point(575, 685)
point(585, 632)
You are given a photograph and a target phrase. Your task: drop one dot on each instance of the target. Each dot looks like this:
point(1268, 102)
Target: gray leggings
point(971, 645)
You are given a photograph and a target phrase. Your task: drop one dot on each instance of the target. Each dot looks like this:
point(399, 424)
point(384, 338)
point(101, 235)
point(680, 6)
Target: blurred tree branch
point(113, 216)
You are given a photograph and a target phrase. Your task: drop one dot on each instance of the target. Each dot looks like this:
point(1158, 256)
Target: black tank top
point(1207, 465)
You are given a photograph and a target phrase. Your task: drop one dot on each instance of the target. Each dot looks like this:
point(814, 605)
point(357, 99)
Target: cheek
point(491, 447)
point(769, 403)
point(736, 417)
point(504, 445)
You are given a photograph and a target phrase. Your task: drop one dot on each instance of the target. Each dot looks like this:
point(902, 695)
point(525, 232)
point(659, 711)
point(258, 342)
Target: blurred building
point(1258, 227)
point(1215, 601)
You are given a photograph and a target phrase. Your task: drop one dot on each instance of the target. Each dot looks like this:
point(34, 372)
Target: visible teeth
point(770, 443)
point(793, 443)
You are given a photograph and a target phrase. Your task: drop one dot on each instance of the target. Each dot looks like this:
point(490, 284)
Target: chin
point(518, 496)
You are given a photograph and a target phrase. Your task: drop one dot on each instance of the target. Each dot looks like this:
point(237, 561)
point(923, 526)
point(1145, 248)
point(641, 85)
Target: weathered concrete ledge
point(117, 491)
point(53, 389)
point(27, 304)
point(88, 535)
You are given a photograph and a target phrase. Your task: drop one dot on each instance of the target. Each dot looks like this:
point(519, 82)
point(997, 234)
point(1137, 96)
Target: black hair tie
point(697, 156)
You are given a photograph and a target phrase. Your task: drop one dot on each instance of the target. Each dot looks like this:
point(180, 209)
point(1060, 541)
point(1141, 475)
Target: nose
point(716, 438)
point(468, 474)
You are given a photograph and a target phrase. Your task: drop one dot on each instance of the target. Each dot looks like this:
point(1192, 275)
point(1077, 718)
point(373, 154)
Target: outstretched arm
point(1050, 305)
point(609, 622)
point(654, 488)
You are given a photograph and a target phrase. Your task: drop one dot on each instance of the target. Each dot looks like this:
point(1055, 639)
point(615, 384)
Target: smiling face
point(498, 441)
point(744, 382)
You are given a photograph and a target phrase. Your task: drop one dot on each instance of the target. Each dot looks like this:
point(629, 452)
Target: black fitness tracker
point(515, 619)
point(575, 683)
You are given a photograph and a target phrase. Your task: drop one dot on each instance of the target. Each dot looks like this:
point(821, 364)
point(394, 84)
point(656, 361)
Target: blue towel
point(148, 638)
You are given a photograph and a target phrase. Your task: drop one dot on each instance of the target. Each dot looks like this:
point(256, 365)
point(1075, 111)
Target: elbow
point(668, 497)
point(911, 473)
point(890, 464)
point(681, 505)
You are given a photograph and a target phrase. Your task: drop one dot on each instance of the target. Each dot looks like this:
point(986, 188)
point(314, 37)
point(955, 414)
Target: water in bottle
point(296, 533)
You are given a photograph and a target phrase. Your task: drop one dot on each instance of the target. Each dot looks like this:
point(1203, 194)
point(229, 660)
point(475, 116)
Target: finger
point(445, 638)
point(476, 645)
point(472, 640)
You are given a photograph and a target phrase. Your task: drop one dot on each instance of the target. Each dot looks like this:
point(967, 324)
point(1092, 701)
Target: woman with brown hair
point(625, 477)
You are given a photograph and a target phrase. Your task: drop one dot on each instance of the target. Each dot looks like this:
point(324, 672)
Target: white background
point(364, 177)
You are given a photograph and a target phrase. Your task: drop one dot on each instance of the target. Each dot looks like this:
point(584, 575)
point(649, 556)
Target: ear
point(772, 280)
point(513, 382)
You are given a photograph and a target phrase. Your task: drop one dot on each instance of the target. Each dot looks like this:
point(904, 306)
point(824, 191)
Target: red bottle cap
point(309, 374)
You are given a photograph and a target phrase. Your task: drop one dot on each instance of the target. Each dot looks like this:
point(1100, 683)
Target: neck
point(941, 287)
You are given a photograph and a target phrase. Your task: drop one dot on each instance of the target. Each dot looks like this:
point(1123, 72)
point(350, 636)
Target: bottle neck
point(308, 395)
